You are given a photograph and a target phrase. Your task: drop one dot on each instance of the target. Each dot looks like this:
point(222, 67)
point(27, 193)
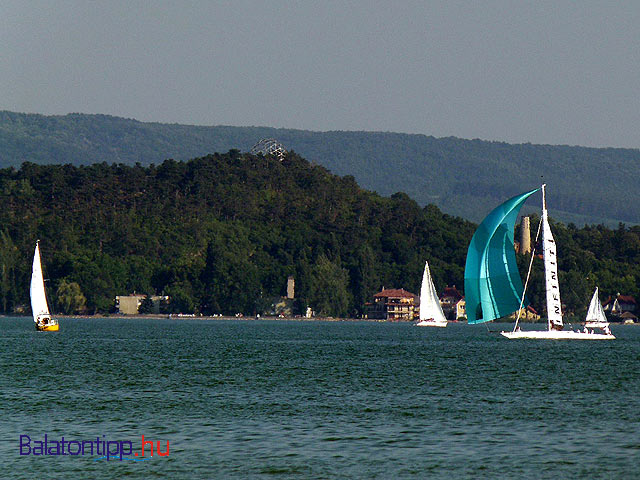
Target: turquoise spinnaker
point(492, 283)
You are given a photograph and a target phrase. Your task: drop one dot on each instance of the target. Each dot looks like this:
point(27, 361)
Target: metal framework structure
point(269, 146)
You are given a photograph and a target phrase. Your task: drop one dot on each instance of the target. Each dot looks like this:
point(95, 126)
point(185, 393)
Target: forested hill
point(463, 177)
point(218, 234)
point(221, 234)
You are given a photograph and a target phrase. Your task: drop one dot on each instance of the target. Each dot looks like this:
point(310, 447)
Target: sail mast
point(554, 306)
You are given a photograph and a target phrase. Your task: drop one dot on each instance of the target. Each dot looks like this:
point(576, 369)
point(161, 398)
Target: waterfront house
point(130, 304)
point(620, 304)
point(528, 314)
point(453, 304)
point(395, 304)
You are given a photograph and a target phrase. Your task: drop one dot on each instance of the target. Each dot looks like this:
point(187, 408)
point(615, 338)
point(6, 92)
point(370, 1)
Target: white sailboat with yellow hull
point(39, 307)
point(493, 287)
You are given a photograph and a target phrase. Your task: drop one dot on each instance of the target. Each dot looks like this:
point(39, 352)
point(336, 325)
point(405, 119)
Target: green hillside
point(218, 234)
point(221, 234)
point(462, 177)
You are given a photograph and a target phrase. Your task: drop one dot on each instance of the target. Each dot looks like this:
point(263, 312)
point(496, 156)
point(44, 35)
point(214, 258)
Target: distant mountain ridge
point(462, 177)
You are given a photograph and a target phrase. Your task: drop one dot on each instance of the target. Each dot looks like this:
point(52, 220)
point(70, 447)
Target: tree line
point(463, 177)
point(221, 234)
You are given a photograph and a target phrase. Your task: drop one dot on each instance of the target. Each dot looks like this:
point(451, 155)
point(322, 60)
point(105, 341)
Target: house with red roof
point(394, 304)
point(453, 304)
point(619, 305)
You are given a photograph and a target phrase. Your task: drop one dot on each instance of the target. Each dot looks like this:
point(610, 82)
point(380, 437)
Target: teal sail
point(492, 283)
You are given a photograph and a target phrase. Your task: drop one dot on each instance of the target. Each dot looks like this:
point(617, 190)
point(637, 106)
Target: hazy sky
point(542, 72)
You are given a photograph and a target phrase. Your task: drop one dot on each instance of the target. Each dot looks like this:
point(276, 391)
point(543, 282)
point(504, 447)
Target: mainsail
point(595, 313)
point(430, 308)
point(554, 306)
point(492, 284)
point(38, 299)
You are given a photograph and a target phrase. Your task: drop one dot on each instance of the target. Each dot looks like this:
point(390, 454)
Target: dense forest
point(462, 177)
point(221, 234)
point(218, 234)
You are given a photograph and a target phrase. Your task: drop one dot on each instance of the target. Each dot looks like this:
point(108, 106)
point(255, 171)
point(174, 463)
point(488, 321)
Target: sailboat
point(493, 287)
point(431, 314)
point(39, 307)
point(595, 314)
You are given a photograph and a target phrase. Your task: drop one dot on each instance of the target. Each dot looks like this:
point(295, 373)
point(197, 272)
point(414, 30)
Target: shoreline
point(266, 318)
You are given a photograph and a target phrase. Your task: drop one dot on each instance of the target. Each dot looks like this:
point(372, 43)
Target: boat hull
point(596, 324)
point(557, 335)
point(48, 328)
point(427, 323)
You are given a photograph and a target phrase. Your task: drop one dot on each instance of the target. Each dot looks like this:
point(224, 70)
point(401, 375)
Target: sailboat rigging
point(493, 286)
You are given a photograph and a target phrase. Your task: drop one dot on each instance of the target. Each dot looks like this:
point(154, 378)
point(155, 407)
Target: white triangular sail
point(595, 314)
point(39, 305)
point(554, 306)
point(430, 308)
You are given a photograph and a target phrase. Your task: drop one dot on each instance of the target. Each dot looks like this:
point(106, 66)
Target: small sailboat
point(431, 314)
point(39, 307)
point(493, 287)
point(595, 314)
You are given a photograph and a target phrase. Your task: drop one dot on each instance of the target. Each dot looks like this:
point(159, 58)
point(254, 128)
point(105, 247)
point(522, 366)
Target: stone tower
point(525, 236)
point(291, 283)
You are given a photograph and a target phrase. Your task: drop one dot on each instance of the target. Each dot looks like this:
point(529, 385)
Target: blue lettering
point(109, 452)
point(50, 449)
point(22, 444)
point(37, 447)
point(77, 443)
point(129, 450)
point(87, 442)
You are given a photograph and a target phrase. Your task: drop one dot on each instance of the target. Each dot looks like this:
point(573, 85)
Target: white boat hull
point(427, 323)
point(557, 335)
point(596, 324)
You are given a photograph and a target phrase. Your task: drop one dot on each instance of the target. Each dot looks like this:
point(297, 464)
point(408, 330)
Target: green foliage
point(70, 298)
point(588, 257)
point(146, 306)
point(329, 288)
point(465, 177)
point(221, 234)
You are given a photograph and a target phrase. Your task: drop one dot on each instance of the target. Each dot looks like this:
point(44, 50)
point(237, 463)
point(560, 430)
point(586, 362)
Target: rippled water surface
point(278, 399)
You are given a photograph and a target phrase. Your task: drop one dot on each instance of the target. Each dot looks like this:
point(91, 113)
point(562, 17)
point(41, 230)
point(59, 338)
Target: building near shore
point(284, 306)
point(528, 314)
point(291, 287)
point(620, 304)
point(394, 304)
point(130, 304)
point(453, 304)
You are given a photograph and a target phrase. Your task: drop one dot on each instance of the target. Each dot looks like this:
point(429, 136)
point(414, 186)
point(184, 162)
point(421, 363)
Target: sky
point(550, 72)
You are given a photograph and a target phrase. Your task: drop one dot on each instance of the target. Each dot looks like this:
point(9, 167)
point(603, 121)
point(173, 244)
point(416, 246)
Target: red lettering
point(150, 443)
point(158, 449)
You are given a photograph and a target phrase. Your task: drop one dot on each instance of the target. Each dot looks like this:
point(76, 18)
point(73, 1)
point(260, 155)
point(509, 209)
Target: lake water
point(280, 399)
